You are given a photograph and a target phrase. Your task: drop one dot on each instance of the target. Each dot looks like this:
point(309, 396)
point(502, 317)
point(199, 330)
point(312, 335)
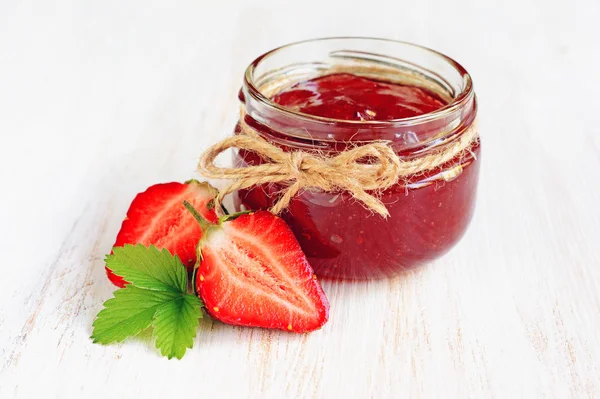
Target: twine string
point(372, 167)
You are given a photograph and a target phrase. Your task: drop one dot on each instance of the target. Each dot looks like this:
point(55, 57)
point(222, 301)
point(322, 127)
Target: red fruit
point(254, 273)
point(157, 217)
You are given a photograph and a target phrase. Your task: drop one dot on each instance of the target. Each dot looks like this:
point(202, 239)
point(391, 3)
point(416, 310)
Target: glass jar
point(429, 211)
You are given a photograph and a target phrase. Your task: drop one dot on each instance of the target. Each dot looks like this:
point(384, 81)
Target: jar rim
point(458, 100)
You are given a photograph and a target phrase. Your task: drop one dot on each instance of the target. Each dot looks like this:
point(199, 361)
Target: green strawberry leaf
point(155, 296)
point(128, 313)
point(175, 324)
point(148, 268)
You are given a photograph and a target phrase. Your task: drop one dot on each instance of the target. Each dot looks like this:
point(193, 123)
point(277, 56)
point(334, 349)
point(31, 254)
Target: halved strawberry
point(254, 273)
point(157, 217)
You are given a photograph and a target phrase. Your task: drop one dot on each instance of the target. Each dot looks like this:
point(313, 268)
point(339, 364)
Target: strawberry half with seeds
point(252, 272)
point(157, 217)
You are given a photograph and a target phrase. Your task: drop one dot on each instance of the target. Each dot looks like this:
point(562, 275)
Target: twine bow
point(371, 167)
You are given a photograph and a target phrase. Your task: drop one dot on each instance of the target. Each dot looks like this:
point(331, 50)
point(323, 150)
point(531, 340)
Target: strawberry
point(157, 217)
point(252, 272)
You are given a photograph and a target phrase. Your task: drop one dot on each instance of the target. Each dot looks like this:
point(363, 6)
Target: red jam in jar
point(327, 94)
point(350, 97)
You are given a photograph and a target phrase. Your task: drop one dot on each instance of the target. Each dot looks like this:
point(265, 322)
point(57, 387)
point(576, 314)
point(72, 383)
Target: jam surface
point(428, 213)
point(354, 98)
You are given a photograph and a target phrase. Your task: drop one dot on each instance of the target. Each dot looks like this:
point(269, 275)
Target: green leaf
point(148, 268)
point(175, 324)
point(156, 295)
point(130, 311)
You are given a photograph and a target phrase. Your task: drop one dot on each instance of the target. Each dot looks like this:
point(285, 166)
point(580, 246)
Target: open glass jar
point(429, 210)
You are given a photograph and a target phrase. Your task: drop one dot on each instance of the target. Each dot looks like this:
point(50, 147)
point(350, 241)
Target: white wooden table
point(99, 100)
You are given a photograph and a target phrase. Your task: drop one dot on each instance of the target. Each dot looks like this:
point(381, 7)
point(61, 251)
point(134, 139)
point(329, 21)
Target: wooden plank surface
point(98, 100)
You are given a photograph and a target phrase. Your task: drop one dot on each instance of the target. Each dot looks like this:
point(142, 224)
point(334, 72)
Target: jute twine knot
point(371, 167)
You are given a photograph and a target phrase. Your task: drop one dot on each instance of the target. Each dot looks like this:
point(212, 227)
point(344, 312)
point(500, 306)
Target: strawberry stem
point(204, 224)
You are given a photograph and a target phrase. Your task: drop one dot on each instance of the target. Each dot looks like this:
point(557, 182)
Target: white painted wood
point(98, 100)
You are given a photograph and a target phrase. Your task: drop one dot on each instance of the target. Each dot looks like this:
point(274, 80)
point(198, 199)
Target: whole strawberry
point(157, 217)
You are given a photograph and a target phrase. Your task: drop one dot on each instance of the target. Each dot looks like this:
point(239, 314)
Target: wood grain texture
point(98, 100)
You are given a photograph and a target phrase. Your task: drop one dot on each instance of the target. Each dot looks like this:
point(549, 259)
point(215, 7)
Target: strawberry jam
point(429, 212)
point(349, 97)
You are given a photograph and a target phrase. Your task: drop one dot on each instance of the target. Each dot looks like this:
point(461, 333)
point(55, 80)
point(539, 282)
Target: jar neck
point(297, 132)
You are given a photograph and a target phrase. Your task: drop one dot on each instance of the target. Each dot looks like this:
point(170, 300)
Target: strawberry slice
point(253, 272)
point(157, 217)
